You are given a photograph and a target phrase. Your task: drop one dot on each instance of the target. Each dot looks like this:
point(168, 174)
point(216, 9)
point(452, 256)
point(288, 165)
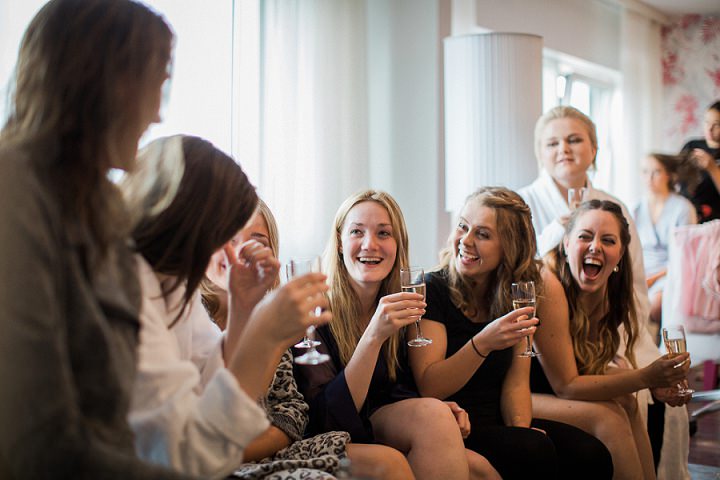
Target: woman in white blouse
point(194, 406)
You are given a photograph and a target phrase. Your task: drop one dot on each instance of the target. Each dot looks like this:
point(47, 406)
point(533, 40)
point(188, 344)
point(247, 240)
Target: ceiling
point(681, 7)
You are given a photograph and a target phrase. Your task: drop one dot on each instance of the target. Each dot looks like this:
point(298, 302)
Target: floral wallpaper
point(691, 76)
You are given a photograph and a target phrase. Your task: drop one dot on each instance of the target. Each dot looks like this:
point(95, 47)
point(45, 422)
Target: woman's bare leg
point(426, 431)
point(640, 434)
point(607, 421)
point(385, 463)
point(480, 468)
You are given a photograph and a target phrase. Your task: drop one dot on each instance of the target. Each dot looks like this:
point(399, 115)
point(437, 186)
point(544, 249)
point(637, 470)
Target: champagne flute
point(576, 196)
point(412, 279)
point(523, 295)
point(296, 268)
point(674, 338)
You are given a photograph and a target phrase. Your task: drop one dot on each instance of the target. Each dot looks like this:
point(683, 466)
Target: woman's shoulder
point(681, 203)
point(21, 179)
point(437, 286)
point(552, 287)
point(437, 278)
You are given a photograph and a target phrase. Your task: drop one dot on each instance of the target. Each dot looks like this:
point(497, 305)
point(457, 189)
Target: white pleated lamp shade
point(493, 97)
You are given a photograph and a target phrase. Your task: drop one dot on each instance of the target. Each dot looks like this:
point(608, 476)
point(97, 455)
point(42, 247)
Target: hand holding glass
point(412, 279)
point(674, 339)
point(576, 196)
point(523, 295)
point(296, 268)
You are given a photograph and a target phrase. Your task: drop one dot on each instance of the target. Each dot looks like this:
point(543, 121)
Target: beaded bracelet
point(472, 342)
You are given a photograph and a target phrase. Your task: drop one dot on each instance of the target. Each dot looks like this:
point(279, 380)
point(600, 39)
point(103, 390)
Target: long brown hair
point(517, 238)
point(592, 356)
point(681, 169)
point(211, 293)
point(344, 302)
point(84, 72)
point(214, 200)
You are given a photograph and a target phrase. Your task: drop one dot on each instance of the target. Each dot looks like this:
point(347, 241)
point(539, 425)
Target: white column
point(493, 97)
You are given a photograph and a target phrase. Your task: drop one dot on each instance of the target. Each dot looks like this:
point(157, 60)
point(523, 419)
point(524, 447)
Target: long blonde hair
point(593, 355)
point(344, 302)
point(517, 238)
point(212, 293)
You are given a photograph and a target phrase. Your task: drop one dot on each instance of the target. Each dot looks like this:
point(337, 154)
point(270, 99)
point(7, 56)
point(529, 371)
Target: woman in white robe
point(566, 147)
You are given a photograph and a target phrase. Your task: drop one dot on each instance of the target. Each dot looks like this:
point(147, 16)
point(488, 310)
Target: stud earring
point(616, 269)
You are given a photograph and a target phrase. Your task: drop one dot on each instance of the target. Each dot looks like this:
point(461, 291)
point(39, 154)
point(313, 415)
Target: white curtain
point(313, 113)
point(641, 102)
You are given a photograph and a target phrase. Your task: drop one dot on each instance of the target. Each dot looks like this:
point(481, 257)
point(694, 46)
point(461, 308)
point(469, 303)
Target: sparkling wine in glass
point(523, 295)
point(674, 338)
point(576, 196)
point(412, 279)
point(296, 268)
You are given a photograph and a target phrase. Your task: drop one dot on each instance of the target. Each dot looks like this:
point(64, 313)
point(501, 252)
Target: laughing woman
point(474, 359)
point(582, 381)
point(281, 450)
point(364, 389)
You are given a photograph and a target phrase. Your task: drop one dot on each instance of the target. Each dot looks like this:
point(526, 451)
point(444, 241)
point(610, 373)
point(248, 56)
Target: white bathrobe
point(547, 205)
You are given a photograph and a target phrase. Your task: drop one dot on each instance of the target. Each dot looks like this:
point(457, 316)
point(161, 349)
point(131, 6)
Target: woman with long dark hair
point(87, 84)
point(661, 210)
point(566, 148)
point(587, 311)
point(195, 398)
point(475, 359)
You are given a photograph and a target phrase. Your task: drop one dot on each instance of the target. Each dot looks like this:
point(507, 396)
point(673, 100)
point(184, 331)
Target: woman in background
point(281, 446)
point(706, 153)
point(655, 216)
point(588, 308)
point(195, 398)
point(87, 85)
point(477, 338)
point(566, 147)
point(365, 388)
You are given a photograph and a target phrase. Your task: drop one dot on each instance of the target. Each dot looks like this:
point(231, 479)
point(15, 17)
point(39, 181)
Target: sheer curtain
point(313, 115)
point(641, 100)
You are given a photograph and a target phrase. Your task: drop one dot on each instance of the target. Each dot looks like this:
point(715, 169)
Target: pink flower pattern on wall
point(691, 76)
point(685, 108)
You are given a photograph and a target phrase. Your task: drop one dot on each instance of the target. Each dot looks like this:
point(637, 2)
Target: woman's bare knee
point(480, 467)
point(378, 461)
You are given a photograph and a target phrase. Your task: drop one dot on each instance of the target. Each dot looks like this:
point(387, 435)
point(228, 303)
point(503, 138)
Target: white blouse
point(188, 411)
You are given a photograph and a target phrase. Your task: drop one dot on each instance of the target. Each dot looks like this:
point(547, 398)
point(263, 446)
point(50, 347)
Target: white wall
point(14, 19)
point(403, 68)
point(587, 29)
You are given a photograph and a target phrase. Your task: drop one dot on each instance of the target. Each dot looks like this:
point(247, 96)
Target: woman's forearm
point(238, 317)
point(268, 443)
point(516, 407)
point(360, 369)
point(446, 377)
point(602, 387)
point(254, 361)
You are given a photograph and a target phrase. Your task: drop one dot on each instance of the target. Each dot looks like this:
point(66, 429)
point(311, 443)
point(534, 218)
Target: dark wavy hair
point(84, 73)
point(214, 200)
point(681, 169)
point(592, 356)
